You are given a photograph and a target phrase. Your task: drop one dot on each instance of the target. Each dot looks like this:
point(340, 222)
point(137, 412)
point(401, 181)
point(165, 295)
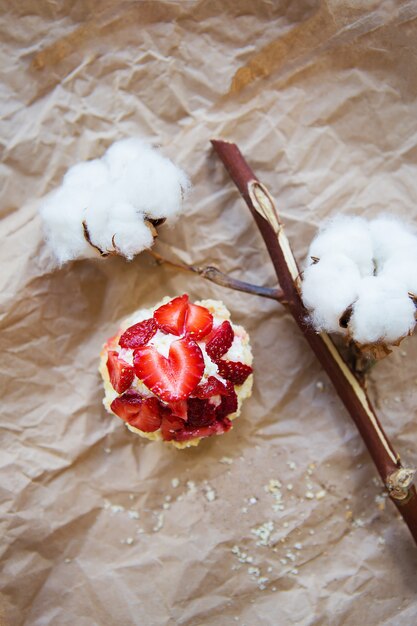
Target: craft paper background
point(321, 99)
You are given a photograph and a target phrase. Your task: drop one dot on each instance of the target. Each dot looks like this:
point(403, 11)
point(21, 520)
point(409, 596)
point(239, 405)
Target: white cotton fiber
point(389, 237)
point(370, 267)
point(329, 304)
point(383, 312)
point(114, 196)
point(348, 236)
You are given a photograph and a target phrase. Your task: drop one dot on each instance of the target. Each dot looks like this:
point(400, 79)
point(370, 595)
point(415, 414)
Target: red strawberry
point(220, 341)
point(170, 425)
point(170, 317)
point(227, 406)
point(139, 334)
point(213, 387)
point(179, 409)
point(121, 373)
point(235, 371)
point(200, 413)
point(198, 321)
point(216, 428)
point(173, 378)
point(138, 411)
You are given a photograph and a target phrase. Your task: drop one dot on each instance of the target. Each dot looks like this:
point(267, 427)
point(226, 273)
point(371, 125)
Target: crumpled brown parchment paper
point(282, 521)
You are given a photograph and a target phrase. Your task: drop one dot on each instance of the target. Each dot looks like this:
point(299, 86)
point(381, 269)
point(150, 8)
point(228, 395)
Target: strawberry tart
point(178, 372)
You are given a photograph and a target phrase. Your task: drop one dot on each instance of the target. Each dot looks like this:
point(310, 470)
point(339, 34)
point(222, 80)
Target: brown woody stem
point(219, 278)
point(396, 478)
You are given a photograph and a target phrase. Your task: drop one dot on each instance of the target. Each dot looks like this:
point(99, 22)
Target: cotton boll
point(329, 287)
point(401, 268)
point(132, 238)
point(389, 236)
point(88, 175)
point(383, 312)
point(154, 185)
point(123, 152)
point(63, 213)
point(112, 223)
point(348, 236)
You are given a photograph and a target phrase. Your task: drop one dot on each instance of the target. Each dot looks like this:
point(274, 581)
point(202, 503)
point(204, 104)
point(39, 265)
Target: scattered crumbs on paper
point(290, 486)
point(159, 522)
point(133, 514)
point(321, 494)
point(403, 353)
point(175, 483)
point(166, 506)
point(298, 546)
point(191, 486)
point(107, 450)
point(349, 515)
point(376, 481)
point(263, 532)
point(168, 498)
point(358, 523)
point(311, 532)
point(286, 524)
point(274, 588)
point(294, 571)
point(320, 385)
point(131, 496)
point(252, 500)
point(262, 582)
point(210, 493)
point(274, 488)
point(309, 495)
point(290, 556)
point(292, 465)
point(140, 531)
point(244, 509)
point(254, 571)
point(269, 570)
point(283, 561)
point(242, 556)
point(380, 501)
point(127, 541)
point(381, 541)
point(69, 560)
point(226, 460)
point(114, 508)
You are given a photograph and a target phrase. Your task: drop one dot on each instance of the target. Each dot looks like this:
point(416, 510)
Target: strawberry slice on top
point(138, 411)
point(173, 378)
point(180, 316)
point(121, 373)
point(235, 371)
point(170, 317)
point(220, 341)
point(198, 321)
point(139, 334)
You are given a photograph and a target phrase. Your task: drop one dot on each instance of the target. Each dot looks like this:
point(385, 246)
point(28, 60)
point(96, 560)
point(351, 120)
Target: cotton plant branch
point(214, 275)
point(397, 478)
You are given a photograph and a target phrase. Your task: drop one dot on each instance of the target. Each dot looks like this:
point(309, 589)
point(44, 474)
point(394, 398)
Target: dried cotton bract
point(360, 279)
point(107, 205)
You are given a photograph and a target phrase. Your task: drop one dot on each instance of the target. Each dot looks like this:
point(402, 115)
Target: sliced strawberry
point(139, 334)
point(138, 411)
point(235, 371)
point(170, 317)
point(227, 406)
point(170, 425)
point(173, 378)
point(200, 413)
point(179, 409)
point(213, 387)
point(121, 373)
point(198, 321)
point(220, 341)
point(216, 428)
